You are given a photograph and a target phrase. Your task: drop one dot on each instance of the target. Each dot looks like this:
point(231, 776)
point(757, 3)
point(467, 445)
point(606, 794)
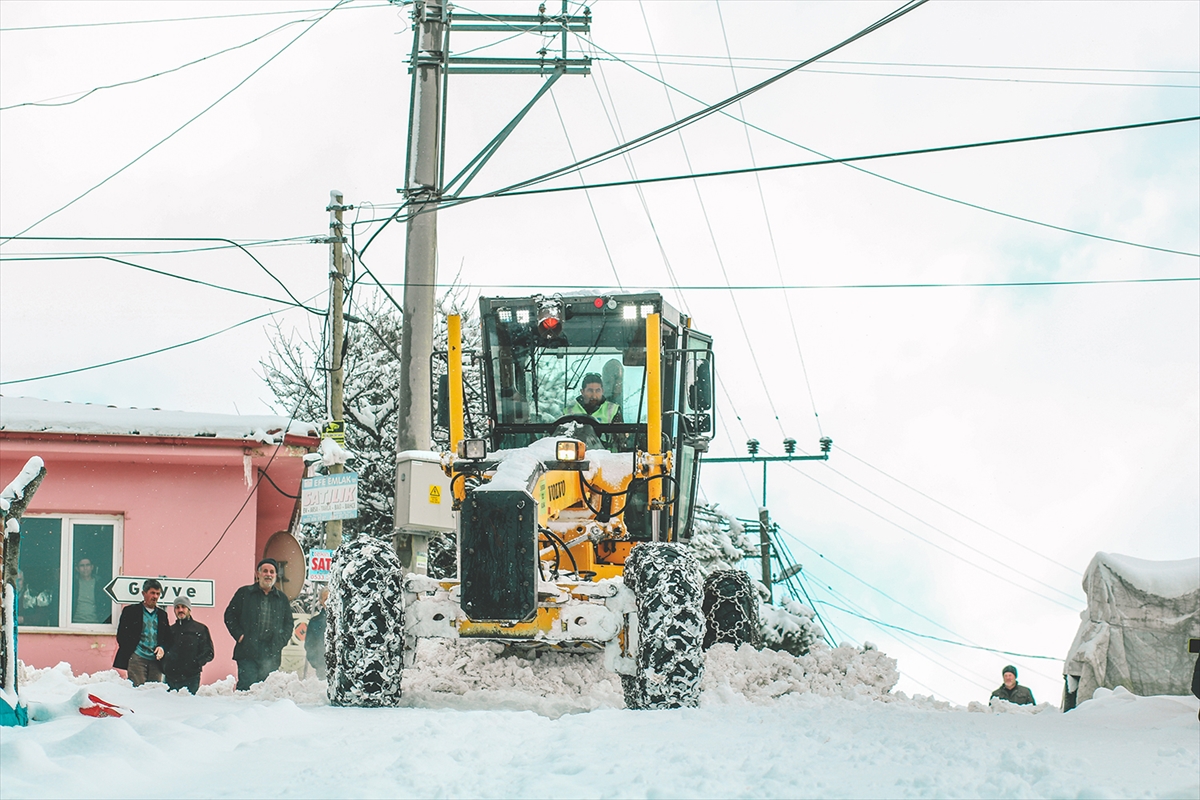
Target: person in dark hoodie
point(259, 618)
point(192, 649)
point(143, 635)
point(1012, 691)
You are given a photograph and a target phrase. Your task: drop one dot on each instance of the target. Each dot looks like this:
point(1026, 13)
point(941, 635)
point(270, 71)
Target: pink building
point(147, 493)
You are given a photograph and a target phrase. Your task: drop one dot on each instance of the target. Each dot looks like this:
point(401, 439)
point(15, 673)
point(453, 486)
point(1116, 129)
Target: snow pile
point(762, 676)
point(454, 673)
point(790, 627)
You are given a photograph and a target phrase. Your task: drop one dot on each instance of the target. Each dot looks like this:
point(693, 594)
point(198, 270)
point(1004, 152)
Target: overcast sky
point(988, 441)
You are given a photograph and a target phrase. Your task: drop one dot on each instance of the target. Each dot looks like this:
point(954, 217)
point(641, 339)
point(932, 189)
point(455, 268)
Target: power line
point(184, 125)
point(959, 513)
point(934, 545)
point(230, 242)
point(866, 171)
point(982, 78)
point(762, 198)
point(711, 109)
point(89, 92)
point(871, 157)
point(818, 286)
point(936, 638)
point(157, 272)
point(923, 65)
point(150, 353)
point(177, 19)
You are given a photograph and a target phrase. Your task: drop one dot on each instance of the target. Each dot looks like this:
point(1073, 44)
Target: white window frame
point(66, 571)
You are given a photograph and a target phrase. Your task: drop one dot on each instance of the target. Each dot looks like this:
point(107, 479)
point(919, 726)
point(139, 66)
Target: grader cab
point(576, 489)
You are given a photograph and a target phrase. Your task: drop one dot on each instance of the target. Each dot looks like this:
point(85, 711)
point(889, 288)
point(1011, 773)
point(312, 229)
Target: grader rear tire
point(731, 609)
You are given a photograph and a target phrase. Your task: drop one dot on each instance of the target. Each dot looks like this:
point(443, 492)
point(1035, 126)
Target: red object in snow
point(100, 708)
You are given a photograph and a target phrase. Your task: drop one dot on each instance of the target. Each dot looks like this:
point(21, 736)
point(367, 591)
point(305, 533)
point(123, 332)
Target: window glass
point(91, 559)
point(39, 572)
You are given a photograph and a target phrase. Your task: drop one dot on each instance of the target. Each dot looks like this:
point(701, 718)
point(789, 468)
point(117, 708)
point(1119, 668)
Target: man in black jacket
point(1012, 691)
point(259, 618)
point(143, 634)
point(193, 648)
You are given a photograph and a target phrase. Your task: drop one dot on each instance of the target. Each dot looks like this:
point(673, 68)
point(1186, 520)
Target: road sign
point(126, 589)
point(320, 563)
point(327, 497)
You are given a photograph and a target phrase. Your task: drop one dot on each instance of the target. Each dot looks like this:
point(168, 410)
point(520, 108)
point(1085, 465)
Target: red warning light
point(598, 302)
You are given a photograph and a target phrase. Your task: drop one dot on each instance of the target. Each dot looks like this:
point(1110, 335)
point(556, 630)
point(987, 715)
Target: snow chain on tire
point(666, 583)
point(364, 639)
point(731, 609)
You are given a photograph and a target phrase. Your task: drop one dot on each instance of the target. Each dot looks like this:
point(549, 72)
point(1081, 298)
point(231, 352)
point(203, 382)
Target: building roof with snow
point(32, 415)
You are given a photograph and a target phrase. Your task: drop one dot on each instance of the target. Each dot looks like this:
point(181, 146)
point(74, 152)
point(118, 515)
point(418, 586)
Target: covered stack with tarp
point(1135, 631)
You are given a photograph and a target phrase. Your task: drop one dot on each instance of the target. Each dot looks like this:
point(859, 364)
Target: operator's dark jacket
point(192, 648)
point(264, 619)
point(129, 632)
point(1019, 695)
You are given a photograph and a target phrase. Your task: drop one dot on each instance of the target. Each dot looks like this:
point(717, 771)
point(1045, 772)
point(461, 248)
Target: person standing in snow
point(193, 648)
point(259, 618)
point(1012, 691)
point(314, 638)
point(143, 635)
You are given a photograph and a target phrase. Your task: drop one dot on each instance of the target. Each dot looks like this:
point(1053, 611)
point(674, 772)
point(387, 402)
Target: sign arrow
point(127, 589)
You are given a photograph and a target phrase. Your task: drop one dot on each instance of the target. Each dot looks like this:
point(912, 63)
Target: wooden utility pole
point(337, 377)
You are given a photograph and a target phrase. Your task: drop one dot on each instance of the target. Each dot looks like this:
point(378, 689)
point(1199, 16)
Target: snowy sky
point(1055, 421)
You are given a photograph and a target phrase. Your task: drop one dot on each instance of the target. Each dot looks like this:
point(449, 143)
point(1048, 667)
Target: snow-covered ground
point(477, 723)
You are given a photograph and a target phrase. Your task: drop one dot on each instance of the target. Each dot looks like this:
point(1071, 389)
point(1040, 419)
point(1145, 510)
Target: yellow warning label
point(435, 494)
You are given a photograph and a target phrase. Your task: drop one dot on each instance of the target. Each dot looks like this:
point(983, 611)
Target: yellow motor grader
point(575, 491)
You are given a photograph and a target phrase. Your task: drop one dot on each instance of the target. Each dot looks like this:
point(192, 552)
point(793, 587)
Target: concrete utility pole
point(337, 375)
point(425, 186)
point(422, 190)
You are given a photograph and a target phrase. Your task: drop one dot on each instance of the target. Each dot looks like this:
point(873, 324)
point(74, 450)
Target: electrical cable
point(849, 160)
point(185, 124)
point(882, 177)
point(156, 272)
point(150, 353)
point(953, 538)
point(696, 116)
point(780, 61)
point(932, 544)
point(89, 92)
point(821, 71)
point(713, 238)
point(959, 513)
point(762, 198)
point(180, 19)
point(938, 638)
point(796, 286)
point(587, 195)
point(231, 242)
point(262, 472)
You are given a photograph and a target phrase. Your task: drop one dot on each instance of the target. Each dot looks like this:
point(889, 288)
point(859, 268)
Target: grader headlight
point(570, 450)
point(473, 449)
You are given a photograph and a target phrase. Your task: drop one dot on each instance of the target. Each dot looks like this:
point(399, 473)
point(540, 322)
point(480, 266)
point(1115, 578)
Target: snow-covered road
point(555, 727)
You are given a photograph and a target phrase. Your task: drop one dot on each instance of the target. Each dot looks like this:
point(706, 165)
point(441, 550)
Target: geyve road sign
point(127, 589)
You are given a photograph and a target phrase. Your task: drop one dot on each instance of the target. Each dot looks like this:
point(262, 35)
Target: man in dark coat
point(143, 635)
point(1012, 691)
point(259, 618)
point(193, 648)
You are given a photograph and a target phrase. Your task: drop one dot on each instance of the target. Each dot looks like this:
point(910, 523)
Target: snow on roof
point(28, 414)
point(1163, 578)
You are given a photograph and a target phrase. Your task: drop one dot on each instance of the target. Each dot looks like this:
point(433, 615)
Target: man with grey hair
point(259, 618)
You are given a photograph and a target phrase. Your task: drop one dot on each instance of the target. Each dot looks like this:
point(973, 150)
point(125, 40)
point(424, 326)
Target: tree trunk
point(13, 501)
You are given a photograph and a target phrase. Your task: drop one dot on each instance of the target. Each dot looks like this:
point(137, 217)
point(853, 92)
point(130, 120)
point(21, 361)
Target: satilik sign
point(327, 497)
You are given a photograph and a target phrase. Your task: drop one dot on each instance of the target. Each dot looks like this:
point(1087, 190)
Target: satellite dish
point(288, 553)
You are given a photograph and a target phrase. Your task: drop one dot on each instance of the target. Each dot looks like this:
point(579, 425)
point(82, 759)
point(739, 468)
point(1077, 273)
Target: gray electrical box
point(423, 499)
